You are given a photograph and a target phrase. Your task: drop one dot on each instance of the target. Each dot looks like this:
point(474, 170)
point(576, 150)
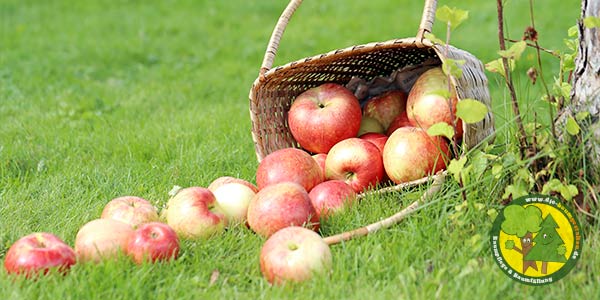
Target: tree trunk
point(585, 95)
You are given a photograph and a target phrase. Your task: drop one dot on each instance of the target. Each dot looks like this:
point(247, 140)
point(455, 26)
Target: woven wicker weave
point(276, 88)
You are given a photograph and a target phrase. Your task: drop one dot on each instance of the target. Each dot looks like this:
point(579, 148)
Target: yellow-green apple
point(38, 254)
point(357, 162)
point(294, 254)
point(331, 196)
point(410, 153)
point(426, 105)
point(130, 209)
point(369, 124)
point(320, 158)
point(233, 199)
point(400, 121)
point(102, 239)
point(281, 205)
point(385, 107)
point(324, 115)
point(152, 242)
point(229, 179)
point(289, 164)
point(378, 139)
point(192, 213)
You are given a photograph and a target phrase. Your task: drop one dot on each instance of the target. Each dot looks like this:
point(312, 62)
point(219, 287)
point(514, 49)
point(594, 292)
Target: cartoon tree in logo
point(549, 246)
point(522, 222)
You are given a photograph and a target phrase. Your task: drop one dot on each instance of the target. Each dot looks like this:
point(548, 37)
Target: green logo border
point(551, 278)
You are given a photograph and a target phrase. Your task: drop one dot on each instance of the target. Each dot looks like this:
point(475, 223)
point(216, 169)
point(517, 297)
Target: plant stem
point(509, 82)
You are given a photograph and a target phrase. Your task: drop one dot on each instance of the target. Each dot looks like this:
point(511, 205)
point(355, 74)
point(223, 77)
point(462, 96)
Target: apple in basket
point(281, 205)
point(331, 196)
point(401, 120)
point(410, 153)
point(378, 139)
point(369, 124)
point(294, 254)
point(38, 254)
point(385, 107)
point(322, 116)
point(320, 158)
point(356, 161)
point(427, 106)
point(289, 164)
point(130, 209)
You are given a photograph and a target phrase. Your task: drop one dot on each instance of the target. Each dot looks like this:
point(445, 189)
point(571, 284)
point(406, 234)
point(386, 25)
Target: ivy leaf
point(434, 39)
point(515, 51)
point(452, 67)
point(471, 111)
point(591, 22)
point(455, 167)
point(441, 128)
point(453, 16)
point(572, 126)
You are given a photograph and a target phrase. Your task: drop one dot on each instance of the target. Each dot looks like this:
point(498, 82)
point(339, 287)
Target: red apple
point(152, 242)
point(331, 196)
point(410, 153)
point(233, 200)
point(385, 107)
point(37, 254)
point(378, 139)
point(130, 209)
point(102, 239)
point(229, 179)
point(425, 106)
point(400, 121)
point(294, 254)
point(192, 213)
point(281, 205)
point(369, 124)
point(320, 158)
point(289, 164)
point(357, 162)
point(322, 116)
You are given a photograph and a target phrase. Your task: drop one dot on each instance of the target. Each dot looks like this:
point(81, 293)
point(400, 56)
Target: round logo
point(536, 240)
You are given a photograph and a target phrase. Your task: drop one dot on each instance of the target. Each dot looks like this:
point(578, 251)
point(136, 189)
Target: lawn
point(100, 99)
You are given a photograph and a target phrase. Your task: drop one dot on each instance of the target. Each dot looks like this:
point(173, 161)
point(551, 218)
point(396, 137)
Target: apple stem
point(436, 185)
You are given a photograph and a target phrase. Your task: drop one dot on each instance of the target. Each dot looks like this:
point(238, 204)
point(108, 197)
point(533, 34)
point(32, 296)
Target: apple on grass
point(427, 106)
point(230, 179)
point(37, 254)
point(130, 209)
point(281, 205)
point(331, 196)
point(232, 200)
point(192, 213)
point(385, 107)
point(102, 239)
point(324, 115)
point(357, 162)
point(410, 153)
point(289, 165)
point(294, 254)
point(152, 242)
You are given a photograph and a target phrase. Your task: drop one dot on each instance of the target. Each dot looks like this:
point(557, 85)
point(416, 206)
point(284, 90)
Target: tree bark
point(585, 95)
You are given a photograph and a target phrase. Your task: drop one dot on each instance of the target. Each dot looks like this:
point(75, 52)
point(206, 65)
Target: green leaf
point(573, 31)
point(582, 115)
point(572, 126)
point(434, 39)
point(453, 16)
point(452, 67)
point(562, 88)
point(497, 170)
point(441, 128)
point(455, 167)
point(515, 51)
point(591, 22)
point(552, 185)
point(496, 66)
point(569, 191)
point(471, 111)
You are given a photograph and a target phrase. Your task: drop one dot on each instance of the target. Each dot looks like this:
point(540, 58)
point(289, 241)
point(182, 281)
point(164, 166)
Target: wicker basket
point(276, 88)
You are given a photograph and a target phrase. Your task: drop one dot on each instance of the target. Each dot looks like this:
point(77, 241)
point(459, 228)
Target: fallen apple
point(289, 165)
point(130, 209)
point(230, 179)
point(102, 239)
point(233, 200)
point(357, 162)
point(281, 205)
point(38, 254)
point(324, 115)
point(332, 196)
point(294, 254)
point(152, 242)
point(192, 214)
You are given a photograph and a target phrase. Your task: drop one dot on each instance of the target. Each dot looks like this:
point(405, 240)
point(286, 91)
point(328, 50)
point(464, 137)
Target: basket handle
point(425, 26)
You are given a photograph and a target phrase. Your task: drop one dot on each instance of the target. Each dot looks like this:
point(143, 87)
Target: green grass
point(100, 99)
